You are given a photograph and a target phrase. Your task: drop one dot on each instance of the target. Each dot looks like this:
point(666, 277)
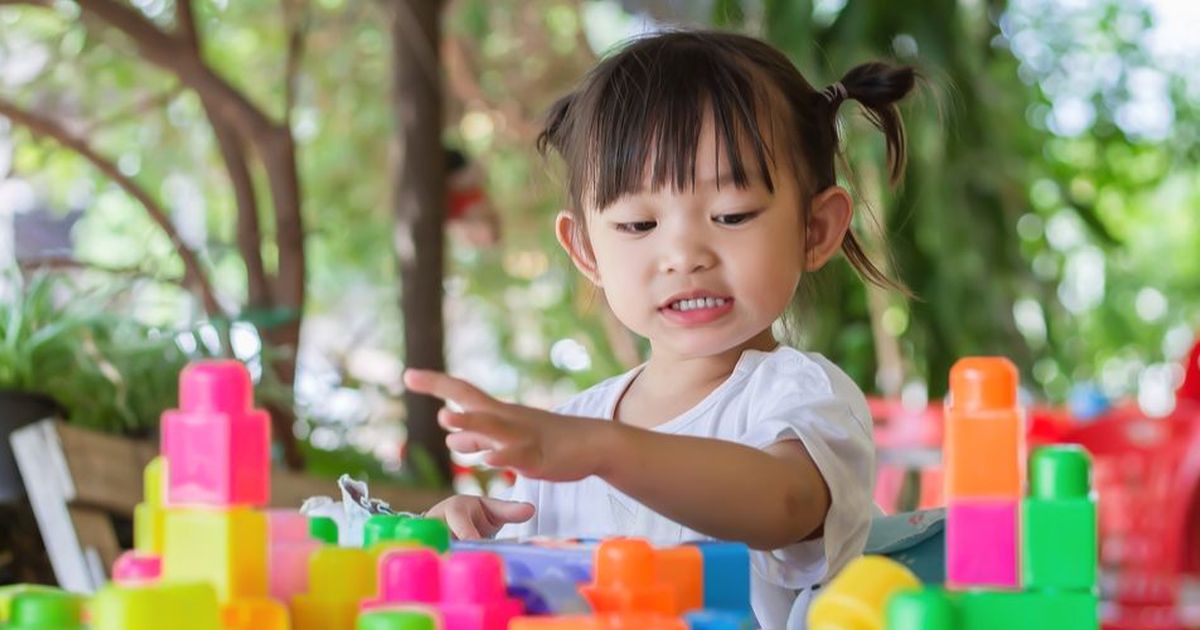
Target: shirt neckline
point(746, 363)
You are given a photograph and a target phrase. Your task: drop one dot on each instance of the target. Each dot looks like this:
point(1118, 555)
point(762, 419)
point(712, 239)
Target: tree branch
point(461, 75)
point(67, 262)
point(194, 275)
point(136, 108)
point(296, 20)
point(185, 25)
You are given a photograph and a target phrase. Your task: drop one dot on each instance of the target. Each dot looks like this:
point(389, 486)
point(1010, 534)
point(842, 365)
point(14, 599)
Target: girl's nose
point(686, 257)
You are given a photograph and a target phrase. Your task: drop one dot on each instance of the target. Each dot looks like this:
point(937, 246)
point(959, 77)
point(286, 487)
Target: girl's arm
point(766, 498)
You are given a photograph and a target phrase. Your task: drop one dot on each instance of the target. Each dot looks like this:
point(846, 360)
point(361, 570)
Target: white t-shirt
point(770, 397)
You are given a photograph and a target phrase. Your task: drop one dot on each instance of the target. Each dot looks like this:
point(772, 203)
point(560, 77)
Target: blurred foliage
point(1068, 246)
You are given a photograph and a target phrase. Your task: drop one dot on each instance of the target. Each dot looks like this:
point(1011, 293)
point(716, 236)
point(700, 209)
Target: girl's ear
point(828, 220)
point(571, 236)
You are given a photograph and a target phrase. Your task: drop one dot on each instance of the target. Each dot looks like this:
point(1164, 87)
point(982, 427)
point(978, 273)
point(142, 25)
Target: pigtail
point(878, 87)
point(552, 135)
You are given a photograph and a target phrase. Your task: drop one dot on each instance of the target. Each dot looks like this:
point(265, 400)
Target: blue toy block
point(718, 620)
point(726, 576)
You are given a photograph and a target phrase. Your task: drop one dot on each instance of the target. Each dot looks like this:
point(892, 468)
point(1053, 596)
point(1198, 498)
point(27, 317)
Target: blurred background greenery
point(1048, 214)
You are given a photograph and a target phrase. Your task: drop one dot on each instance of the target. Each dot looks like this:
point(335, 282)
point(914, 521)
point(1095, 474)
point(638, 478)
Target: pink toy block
point(287, 526)
point(287, 554)
point(133, 568)
point(217, 446)
point(467, 589)
point(982, 544)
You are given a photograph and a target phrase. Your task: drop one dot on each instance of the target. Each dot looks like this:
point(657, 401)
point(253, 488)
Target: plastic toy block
point(341, 573)
point(603, 622)
point(313, 612)
point(857, 597)
point(217, 446)
point(133, 568)
point(428, 532)
point(254, 614)
point(718, 620)
point(227, 548)
point(324, 529)
point(626, 580)
point(46, 610)
point(726, 576)
point(1058, 525)
point(926, 609)
point(473, 593)
point(408, 576)
point(549, 596)
point(984, 439)
point(683, 569)
point(1028, 610)
point(189, 606)
point(288, 552)
point(981, 544)
point(148, 515)
point(556, 623)
point(397, 620)
point(10, 592)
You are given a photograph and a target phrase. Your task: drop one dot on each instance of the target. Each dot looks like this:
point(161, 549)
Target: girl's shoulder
point(595, 401)
point(790, 376)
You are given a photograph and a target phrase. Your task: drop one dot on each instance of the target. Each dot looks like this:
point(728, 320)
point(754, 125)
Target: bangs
point(640, 118)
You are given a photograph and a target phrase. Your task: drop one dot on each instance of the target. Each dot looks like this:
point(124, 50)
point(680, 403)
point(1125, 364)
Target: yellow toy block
point(179, 606)
point(148, 515)
point(858, 596)
point(312, 612)
point(342, 573)
point(255, 614)
point(225, 547)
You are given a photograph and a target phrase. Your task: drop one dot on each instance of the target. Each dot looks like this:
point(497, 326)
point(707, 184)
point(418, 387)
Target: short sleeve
point(810, 400)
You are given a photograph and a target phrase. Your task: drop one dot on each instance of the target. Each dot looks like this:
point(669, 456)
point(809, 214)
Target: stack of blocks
point(207, 555)
point(1013, 560)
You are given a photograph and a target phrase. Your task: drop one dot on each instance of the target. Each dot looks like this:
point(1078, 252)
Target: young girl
point(702, 189)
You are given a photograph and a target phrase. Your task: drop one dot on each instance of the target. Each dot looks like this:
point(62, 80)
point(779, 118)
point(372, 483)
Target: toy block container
point(1059, 539)
point(217, 445)
point(46, 610)
point(626, 580)
point(857, 596)
point(188, 606)
point(984, 438)
point(536, 560)
point(981, 544)
point(1028, 610)
point(398, 620)
point(227, 548)
point(148, 515)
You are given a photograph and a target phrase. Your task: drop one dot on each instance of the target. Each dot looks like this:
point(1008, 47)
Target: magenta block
point(133, 567)
point(217, 446)
point(982, 544)
point(467, 589)
point(287, 568)
point(473, 593)
point(286, 526)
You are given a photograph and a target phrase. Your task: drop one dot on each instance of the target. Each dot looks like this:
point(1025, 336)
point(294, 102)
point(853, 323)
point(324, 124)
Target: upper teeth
point(687, 305)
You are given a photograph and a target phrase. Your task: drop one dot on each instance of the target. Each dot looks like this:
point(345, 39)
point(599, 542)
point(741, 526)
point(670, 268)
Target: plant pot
point(18, 409)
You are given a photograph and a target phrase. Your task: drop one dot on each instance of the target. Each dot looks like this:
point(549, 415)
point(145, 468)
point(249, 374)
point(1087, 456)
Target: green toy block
point(324, 529)
point(10, 592)
point(1028, 610)
point(396, 620)
point(1058, 524)
point(925, 609)
point(388, 528)
point(46, 610)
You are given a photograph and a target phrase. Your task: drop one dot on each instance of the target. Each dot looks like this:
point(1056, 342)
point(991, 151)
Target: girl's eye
point(636, 227)
point(734, 219)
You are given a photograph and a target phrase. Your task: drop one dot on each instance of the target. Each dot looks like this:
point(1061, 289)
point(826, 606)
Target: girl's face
point(699, 272)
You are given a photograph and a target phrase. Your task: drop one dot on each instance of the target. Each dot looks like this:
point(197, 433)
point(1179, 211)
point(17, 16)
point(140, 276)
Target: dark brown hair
point(648, 101)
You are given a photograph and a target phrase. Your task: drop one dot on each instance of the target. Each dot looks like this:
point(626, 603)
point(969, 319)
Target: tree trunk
point(420, 209)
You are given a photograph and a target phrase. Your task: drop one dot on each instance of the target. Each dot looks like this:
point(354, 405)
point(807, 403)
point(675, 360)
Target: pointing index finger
point(447, 388)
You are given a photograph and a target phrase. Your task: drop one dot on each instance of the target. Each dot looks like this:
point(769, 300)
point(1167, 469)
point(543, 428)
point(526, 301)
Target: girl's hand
point(471, 517)
point(535, 443)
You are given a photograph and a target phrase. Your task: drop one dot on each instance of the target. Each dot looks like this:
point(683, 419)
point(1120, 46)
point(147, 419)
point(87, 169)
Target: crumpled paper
point(352, 512)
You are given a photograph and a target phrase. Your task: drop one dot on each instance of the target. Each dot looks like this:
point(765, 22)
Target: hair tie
point(835, 93)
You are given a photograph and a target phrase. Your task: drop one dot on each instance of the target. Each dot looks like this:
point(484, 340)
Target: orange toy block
point(626, 580)
point(311, 612)
point(254, 614)
point(984, 436)
point(224, 547)
point(683, 569)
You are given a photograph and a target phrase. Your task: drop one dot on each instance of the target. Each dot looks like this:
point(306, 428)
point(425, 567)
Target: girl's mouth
point(697, 311)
